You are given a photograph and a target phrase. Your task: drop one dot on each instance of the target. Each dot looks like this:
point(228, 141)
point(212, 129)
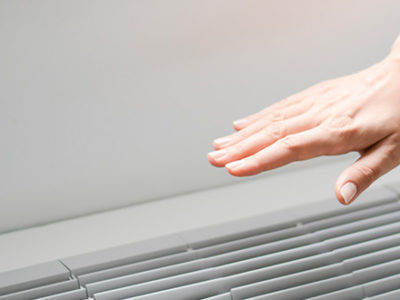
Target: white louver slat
point(41, 291)
point(316, 252)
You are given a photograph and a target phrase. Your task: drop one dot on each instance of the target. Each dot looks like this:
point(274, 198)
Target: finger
point(275, 108)
point(301, 146)
point(260, 140)
point(376, 161)
point(244, 122)
point(234, 138)
point(263, 122)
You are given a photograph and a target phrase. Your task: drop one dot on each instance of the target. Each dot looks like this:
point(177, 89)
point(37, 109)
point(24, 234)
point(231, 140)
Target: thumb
point(373, 163)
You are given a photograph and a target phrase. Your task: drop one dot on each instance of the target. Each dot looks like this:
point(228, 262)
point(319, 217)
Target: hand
point(359, 112)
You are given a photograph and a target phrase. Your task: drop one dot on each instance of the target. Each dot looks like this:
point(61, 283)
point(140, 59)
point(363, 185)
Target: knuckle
point(340, 121)
point(291, 144)
point(277, 115)
point(275, 130)
point(342, 127)
point(293, 99)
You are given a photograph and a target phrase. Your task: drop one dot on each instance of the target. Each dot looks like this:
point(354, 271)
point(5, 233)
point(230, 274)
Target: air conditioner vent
point(316, 252)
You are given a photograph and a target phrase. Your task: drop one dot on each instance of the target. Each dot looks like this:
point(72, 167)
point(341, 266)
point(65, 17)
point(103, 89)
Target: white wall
point(108, 103)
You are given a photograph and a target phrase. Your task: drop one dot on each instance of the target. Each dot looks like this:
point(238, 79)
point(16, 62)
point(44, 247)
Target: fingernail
point(348, 191)
point(240, 123)
point(234, 164)
point(222, 141)
point(217, 154)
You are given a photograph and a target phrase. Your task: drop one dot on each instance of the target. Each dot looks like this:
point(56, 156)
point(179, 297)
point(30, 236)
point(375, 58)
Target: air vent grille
point(314, 252)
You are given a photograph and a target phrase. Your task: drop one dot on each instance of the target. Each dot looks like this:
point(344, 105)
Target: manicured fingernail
point(222, 141)
point(217, 154)
point(240, 123)
point(234, 164)
point(348, 191)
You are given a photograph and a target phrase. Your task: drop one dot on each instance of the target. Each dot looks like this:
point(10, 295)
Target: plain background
point(108, 103)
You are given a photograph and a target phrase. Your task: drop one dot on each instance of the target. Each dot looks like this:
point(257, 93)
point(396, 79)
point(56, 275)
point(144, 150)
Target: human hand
point(359, 112)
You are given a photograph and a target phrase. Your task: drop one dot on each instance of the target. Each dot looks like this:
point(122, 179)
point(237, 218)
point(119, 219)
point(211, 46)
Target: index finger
point(297, 147)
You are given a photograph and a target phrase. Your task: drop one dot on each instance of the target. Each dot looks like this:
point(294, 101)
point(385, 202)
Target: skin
point(359, 112)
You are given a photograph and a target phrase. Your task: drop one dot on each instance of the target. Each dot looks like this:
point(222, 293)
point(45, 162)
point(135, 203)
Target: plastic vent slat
point(42, 291)
point(238, 230)
point(310, 290)
point(137, 278)
point(352, 293)
point(79, 294)
point(278, 270)
point(336, 287)
point(225, 296)
point(194, 291)
point(284, 282)
point(158, 285)
point(353, 216)
point(358, 225)
point(392, 295)
point(361, 236)
point(357, 278)
point(270, 238)
point(137, 267)
point(381, 286)
point(33, 276)
point(368, 246)
point(379, 271)
point(323, 210)
point(124, 254)
point(374, 258)
point(141, 283)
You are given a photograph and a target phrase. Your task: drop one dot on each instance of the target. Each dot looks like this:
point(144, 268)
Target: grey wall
point(108, 103)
